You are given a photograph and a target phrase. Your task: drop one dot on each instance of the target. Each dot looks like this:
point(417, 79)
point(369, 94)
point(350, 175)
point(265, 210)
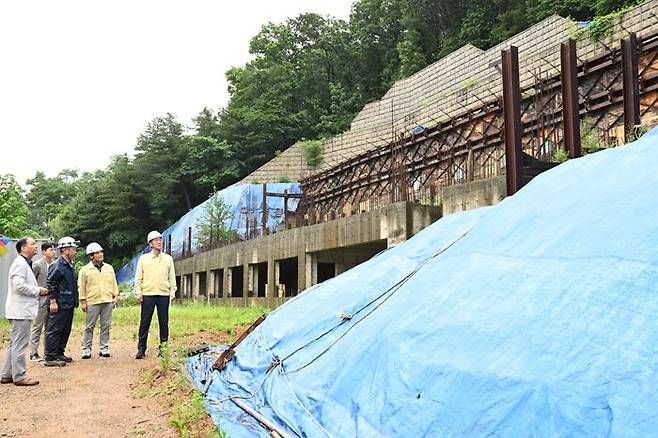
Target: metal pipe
point(258, 417)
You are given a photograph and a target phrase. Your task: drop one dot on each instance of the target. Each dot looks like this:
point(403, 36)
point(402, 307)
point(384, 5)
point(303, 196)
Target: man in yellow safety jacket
point(99, 292)
point(155, 287)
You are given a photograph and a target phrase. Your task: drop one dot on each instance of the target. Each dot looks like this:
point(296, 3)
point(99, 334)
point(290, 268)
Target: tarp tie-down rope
point(388, 293)
point(277, 363)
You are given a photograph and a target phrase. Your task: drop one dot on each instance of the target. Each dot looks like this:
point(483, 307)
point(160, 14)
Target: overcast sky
point(79, 80)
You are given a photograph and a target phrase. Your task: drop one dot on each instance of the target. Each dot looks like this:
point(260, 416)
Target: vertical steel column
point(189, 239)
point(629, 59)
point(285, 208)
point(570, 99)
point(512, 115)
point(264, 216)
point(169, 244)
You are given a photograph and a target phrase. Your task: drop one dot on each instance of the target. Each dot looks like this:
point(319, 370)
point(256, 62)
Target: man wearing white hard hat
point(63, 294)
point(155, 287)
point(98, 289)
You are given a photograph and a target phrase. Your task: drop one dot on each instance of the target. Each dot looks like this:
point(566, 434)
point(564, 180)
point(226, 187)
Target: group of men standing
point(47, 292)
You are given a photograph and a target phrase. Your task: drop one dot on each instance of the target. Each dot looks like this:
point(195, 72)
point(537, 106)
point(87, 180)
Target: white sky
point(79, 80)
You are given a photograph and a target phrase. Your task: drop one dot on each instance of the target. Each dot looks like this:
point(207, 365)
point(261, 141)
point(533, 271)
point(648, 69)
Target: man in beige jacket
point(97, 286)
point(155, 287)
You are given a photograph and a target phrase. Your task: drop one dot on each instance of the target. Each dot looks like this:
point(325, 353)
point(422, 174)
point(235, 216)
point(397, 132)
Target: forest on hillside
point(307, 79)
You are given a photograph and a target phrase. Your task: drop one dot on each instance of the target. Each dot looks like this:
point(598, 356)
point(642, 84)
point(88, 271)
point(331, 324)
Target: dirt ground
point(87, 398)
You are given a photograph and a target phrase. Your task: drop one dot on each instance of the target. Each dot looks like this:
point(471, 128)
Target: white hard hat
point(66, 242)
point(94, 247)
point(152, 235)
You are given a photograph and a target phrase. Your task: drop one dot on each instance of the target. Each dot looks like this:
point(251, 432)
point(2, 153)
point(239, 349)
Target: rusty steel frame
point(471, 144)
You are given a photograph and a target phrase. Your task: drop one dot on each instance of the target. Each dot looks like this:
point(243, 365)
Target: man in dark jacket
point(63, 295)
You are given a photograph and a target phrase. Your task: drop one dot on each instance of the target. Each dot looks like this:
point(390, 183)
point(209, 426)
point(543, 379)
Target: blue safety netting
point(535, 317)
point(244, 201)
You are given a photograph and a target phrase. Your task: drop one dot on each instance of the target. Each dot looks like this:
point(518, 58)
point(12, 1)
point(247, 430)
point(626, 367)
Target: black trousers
point(150, 302)
point(58, 330)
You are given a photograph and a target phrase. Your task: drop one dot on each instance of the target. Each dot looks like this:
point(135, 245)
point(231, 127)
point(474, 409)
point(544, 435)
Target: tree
point(211, 226)
point(209, 163)
point(13, 209)
point(161, 149)
point(47, 196)
point(289, 90)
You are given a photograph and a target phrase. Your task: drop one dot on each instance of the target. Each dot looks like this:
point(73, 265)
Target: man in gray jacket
point(20, 309)
point(40, 269)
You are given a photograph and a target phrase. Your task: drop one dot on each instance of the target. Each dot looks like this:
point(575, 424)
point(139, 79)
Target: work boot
point(64, 358)
point(104, 354)
point(6, 380)
point(26, 382)
point(86, 355)
point(140, 355)
point(54, 363)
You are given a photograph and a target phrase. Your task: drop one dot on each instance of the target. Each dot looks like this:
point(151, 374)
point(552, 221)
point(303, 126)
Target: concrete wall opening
point(326, 271)
point(237, 280)
point(202, 283)
point(217, 276)
point(336, 261)
point(288, 269)
point(178, 290)
point(258, 279)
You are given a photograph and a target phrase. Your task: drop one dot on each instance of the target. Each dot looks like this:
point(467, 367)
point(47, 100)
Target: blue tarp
point(236, 197)
point(535, 317)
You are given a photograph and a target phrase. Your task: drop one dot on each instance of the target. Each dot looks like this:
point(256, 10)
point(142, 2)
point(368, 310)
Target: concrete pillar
point(226, 284)
point(245, 279)
point(255, 273)
point(210, 284)
point(277, 273)
point(271, 275)
point(301, 272)
point(196, 282)
point(311, 266)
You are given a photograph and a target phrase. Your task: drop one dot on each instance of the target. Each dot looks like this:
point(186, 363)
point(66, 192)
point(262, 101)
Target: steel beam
point(629, 59)
point(512, 124)
point(570, 99)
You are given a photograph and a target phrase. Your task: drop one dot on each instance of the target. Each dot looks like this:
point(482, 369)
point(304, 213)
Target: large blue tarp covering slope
point(535, 317)
point(236, 197)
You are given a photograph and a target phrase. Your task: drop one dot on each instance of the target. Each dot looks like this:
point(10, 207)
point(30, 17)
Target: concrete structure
point(473, 194)
point(266, 270)
point(269, 269)
point(437, 92)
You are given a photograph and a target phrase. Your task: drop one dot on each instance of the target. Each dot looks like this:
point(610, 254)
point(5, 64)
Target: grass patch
point(188, 326)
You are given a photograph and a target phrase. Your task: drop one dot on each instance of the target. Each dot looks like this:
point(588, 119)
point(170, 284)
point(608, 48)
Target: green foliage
point(311, 151)
point(469, 83)
point(46, 197)
point(13, 208)
point(602, 25)
point(560, 155)
point(283, 179)
point(589, 139)
point(635, 133)
point(308, 77)
point(211, 225)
